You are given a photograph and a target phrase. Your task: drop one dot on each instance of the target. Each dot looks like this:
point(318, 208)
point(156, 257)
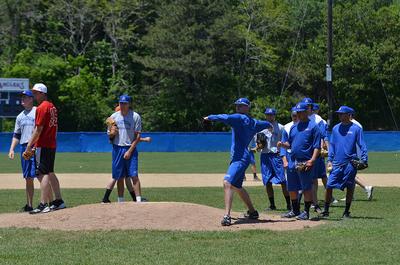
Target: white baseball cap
point(40, 87)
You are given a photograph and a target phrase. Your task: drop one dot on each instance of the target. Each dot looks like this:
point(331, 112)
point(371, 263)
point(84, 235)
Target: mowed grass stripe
point(371, 237)
point(176, 162)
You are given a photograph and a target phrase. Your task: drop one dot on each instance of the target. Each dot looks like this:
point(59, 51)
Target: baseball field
point(180, 225)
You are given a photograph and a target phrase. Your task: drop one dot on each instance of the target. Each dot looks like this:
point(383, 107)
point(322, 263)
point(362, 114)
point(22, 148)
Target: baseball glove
point(28, 154)
point(261, 141)
point(359, 164)
point(300, 166)
point(111, 128)
point(324, 153)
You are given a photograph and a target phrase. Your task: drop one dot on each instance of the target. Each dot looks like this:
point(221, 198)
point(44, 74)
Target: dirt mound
point(151, 216)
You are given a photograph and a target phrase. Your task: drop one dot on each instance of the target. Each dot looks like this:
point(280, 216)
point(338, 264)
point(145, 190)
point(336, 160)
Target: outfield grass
point(371, 237)
point(210, 162)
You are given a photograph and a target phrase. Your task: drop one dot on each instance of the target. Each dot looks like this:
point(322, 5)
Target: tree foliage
point(181, 60)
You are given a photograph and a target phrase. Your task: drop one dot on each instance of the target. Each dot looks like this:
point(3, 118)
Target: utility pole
point(329, 66)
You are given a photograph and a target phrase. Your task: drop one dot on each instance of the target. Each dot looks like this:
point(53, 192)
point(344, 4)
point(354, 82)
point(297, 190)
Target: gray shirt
point(127, 126)
point(24, 125)
point(273, 136)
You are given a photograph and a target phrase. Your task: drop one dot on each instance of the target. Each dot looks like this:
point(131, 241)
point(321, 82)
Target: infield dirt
point(68, 180)
point(149, 215)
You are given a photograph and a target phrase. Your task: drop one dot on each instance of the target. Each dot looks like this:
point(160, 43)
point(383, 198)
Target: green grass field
point(371, 237)
point(379, 162)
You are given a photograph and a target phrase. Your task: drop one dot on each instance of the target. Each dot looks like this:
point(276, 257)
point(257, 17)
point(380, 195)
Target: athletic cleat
point(252, 215)
point(46, 210)
point(289, 214)
point(105, 201)
point(346, 215)
point(42, 208)
point(144, 199)
point(304, 216)
point(226, 220)
point(324, 214)
point(369, 190)
point(256, 178)
point(57, 205)
point(26, 208)
point(271, 208)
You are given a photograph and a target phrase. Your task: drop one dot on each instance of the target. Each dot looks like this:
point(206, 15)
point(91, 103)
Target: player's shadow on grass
point(365, 200)
point(243, 220)
point(367, 217)
point(339, 219)
point(337, 206)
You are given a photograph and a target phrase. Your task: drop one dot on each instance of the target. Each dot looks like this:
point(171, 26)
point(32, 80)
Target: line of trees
point(183, 59)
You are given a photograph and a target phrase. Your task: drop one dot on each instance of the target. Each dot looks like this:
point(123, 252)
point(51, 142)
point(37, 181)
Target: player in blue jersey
point(24, 124)
point(304, 140)
point(320, 169)
point(244, 128)
point(272, 169)
point(345, 138)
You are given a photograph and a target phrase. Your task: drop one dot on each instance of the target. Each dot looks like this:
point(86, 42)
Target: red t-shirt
point(46, 116)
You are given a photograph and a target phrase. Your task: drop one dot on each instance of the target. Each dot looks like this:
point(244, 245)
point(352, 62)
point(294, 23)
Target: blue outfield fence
point(183, 142)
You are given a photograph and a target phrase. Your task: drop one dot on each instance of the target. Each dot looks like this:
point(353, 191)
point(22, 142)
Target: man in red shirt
point(44, 139)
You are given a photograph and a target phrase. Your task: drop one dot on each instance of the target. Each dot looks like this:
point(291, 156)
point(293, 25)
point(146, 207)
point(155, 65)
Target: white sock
point(138, 198)
point(120, 199)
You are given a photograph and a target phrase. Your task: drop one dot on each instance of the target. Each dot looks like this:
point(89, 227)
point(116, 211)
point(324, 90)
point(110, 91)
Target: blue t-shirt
point(343, 144)
point(303, 138)
point(243, 130)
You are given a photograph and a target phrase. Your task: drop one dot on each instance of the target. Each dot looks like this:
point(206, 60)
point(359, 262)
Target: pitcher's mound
point(149, 215)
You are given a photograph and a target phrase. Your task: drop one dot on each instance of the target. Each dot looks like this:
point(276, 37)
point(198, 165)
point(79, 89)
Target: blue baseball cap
point(315, 106)
point(307, 100)
point(301, 106)
point(293, 109)
point(27, 93)
point(345, 109)
point(242, 101)
point(125, 99)
point(271, 111)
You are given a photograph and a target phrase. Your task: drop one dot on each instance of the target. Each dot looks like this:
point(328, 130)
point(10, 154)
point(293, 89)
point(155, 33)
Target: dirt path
point(15, 181)
point(152, 215)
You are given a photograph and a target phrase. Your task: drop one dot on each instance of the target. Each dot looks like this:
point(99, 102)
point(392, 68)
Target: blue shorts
point(121, 167)
point(236, 173)
point(342, 177)
point(272, 170)
point(28, 166)
point(320, 169)
point(299, 180)
point(252, 159)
